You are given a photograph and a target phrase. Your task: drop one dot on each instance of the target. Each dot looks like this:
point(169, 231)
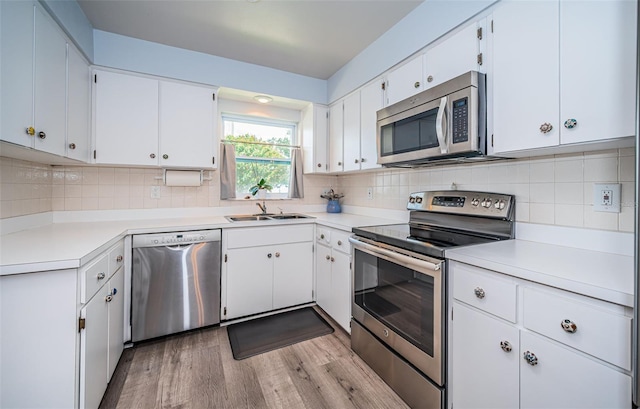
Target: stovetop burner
point(443, 220)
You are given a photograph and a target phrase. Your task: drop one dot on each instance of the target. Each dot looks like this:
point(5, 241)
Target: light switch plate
point(606, 197)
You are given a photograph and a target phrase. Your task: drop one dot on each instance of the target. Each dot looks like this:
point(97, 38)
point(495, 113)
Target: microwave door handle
point(441, 126)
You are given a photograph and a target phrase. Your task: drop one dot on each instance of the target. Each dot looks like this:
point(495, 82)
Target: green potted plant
point(260, 187)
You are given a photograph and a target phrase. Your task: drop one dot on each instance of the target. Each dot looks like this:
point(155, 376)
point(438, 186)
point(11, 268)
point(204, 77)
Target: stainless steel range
point(400, 281)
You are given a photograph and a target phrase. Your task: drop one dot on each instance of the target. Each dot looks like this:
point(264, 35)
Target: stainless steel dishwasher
point(175, 282)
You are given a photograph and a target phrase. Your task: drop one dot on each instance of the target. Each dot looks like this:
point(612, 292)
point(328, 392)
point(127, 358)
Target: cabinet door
point(597, 69)
point(78, 106)
point(315, 138)
point(371, 100)
point(454, 56)
point(50, 85)
point(525, 75)
point(249, 273)
point(126, 119)
point(351, 132)
point(16, 79)
point(562, 378)
point(292, 274)
point(341, 290)
point(187, 115)
point(94, 344)
point(484, 375)
point(323, 278)
point(405, 81)
point(336, 116)
point(116, 321)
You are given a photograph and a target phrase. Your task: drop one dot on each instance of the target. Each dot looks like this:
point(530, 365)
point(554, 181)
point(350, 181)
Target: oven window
point(401, 298)
point(411, 134)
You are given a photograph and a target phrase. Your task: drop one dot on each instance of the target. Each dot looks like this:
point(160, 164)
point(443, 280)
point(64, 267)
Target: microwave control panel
point(460, 122)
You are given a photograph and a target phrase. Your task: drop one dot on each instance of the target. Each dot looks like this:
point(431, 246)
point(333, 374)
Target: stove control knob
point(488, 203)
point(497, 204)
point(475, 201)
point(418, 199)
point(502, 205)
point(412, 199)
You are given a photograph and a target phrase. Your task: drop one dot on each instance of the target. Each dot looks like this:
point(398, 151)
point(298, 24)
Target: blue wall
point(71, 18)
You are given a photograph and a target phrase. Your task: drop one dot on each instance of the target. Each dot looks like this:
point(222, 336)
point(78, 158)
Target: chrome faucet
point(262, 207)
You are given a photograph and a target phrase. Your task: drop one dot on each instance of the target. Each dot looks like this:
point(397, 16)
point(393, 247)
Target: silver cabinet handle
point(277, 254)
point(531, 358)
point(339, 163)
point(108, 298)
point(333, 259)
point(328, 257)
point(72, 146)
point(269, 255)
point(506, 346)
point(479, 292)
point(416, 84)
point(165, 156)
point(119, 259)
point(570, 123)
point(152, 156)
point(339, 242)
point(430, 78)
point(546, 127)
point(322, 236)
point(569, 326)
point(362, 160)
point(42, 135)
point(319, 165)
point(101, 276)
point(355, 160)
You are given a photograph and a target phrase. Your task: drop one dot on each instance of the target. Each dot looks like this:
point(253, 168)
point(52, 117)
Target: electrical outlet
point(369, 193)
point(606, 197)
point(155, 192)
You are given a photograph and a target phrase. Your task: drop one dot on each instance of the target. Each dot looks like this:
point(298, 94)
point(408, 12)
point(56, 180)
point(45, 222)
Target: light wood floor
point(197, 370)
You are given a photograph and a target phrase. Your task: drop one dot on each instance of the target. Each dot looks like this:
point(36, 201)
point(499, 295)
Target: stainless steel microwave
point(445, 122)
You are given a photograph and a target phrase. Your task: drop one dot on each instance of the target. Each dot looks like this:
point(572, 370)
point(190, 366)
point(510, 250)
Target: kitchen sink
point(264, 217)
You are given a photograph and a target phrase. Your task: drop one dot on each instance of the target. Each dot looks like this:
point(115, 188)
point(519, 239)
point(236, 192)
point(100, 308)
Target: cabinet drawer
point(266, 236)
point(323, 235)
point(603, 334)
point(93, 277)
point(475, 287)
point(116, 258)
point(340, 241)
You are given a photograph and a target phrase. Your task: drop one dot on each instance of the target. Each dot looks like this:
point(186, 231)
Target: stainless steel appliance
point(175, 282)
point(445, 122)
point(400, 281)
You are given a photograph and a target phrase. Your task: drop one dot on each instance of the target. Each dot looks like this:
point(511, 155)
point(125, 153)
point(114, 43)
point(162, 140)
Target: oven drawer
point(593, 330)
point(475, 287)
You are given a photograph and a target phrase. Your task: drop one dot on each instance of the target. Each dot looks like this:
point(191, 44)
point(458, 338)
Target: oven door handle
point(407, 261)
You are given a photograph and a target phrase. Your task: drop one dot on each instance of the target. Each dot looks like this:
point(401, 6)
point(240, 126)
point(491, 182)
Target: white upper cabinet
point(143, 121)
point(351, 132)
point(125, 119)
point(371, 100)
point(187, 123)
point(454, 56)
point(78, 106)
point(336, 116)
point(315, 121)
point(405, 80)
point(563, 73)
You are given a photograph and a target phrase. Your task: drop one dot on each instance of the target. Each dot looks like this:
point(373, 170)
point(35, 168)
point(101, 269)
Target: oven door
point(398, 297)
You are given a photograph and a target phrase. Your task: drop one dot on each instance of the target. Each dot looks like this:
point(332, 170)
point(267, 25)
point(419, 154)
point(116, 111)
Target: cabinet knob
point(570, 123)
point(108, 298)
point(269, 255)
point(319, 165)
point(165, 156)
point(339, 163)
point(546, 127)
point(416, 84)
point(531, 358)
point(322, 236)
point(333, 259)
point(362, 160)
point(72, 146)
point(277, 254)
point(328, 257)
point(430, 78)
point(506, 346)
point(339, 242)
point(355, 161)
point(31, 131)
point(152, 156)
point(569, 326)
point(119, 259)
point(42, 135)
point(479, 292)
point(101, 276)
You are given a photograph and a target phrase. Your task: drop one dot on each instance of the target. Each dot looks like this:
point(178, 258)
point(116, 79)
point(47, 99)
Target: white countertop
point(58, 246)
point(605, 276)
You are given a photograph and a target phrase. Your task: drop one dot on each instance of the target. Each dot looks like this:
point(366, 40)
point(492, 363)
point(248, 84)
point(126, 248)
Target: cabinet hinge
point(451, 314)
point(383, 85)
point(94, 154)
point(480, 59)
point(81, 324)
point(479, 33)
point(95, 78)
point(492, 26)
point(214, 96)
point(213, 160)
point(225, 258)
point(491, 139)
point(327, 115)
point(225, 311)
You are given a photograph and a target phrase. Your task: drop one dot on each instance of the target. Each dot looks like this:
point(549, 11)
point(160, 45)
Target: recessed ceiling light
point(263, 99)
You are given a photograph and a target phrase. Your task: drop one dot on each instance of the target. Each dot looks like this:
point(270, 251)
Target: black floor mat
point(265, 334)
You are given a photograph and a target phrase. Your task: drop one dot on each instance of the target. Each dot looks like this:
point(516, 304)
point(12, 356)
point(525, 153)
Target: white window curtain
point(296, 186)
point(228, 171)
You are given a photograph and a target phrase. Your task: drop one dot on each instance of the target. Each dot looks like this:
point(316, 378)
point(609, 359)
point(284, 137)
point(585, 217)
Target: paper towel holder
point(164, 175)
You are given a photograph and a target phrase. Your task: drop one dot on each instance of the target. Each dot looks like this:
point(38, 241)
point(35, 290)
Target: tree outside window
point(263, 150)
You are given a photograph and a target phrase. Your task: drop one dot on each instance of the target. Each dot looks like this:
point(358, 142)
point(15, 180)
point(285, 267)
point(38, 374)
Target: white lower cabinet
point(266, 268)
point(333, 275)
point(561, 350)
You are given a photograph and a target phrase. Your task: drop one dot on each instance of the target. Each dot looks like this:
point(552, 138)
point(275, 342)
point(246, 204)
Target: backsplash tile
point(555, 190)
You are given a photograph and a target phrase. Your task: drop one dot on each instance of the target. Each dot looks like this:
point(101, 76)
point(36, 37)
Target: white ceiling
point(313, 38)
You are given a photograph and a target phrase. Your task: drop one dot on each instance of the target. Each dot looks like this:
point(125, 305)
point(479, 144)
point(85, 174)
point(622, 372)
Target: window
point(263, 151)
